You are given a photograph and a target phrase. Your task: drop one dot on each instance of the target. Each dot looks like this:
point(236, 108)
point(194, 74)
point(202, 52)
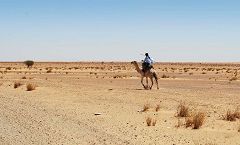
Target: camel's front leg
point(142, 83)
point(151, 82)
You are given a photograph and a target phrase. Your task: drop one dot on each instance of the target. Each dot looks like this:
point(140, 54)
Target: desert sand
point(101, 103)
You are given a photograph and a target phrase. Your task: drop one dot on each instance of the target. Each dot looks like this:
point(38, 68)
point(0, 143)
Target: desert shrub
point(24, 77)
point(233, 78)
point(198, 120)
point(195, 121)
point(146, 107)
point(157, 108)
point(228, 71)
point(185, 70)
point(16, 85)
point(117, 76)
point(232, 115)
point(151, 122)
point(29, 63)
point(164, 76)
point(183, 110)
point(49, 71)
point(154, 122)
point(30, 87)
point(188, 122)
point(237, 113)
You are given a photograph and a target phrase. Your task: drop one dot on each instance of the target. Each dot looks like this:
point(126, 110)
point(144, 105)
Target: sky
point(120, 30)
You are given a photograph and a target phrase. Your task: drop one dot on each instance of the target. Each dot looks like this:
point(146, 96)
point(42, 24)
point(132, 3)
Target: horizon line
point(99, 61)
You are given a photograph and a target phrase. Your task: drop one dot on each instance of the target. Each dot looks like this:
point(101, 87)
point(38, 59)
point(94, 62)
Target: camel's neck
point(137, 68)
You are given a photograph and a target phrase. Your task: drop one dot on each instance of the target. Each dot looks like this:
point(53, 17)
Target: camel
point(148, 74)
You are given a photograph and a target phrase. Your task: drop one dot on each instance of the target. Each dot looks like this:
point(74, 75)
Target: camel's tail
point(156, 78)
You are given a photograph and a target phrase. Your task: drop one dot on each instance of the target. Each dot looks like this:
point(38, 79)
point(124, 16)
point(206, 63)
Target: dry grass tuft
point(49, 71)
point(24, 77)
point(233, 79)
point(237, 113)
point(164, 76)
point(229, 116)
point(8, 68)
point(195, 121)
point(154, 122)
point(151, 122)
point(188, 122)
point(146, 107)
point(157, 108)
point(16, 85)
point(183, 110)
point(198, 120)
point(30, 87)
point(232, 116)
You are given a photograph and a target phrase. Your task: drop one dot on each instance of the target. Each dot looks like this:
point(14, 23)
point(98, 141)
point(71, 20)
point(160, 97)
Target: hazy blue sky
point(75, 30)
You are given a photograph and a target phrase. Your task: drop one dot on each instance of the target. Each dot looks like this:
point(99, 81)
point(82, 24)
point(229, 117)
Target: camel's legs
point(157, 83)
point(147, 81)
point(151, 82)
point(142, 83)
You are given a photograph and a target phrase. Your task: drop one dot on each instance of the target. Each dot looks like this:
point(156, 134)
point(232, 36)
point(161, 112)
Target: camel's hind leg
point(157, 84)
point(151, 83)
point(156, 78)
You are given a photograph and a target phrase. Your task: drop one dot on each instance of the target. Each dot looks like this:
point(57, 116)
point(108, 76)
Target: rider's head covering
point(146, 54)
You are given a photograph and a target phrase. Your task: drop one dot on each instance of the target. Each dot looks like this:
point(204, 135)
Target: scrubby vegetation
point(146, 107)
point(157, 108)
point(30, 87)
point(151, 122)
point(232, 115)
point(29, 63)
point(17, 84)
point(183, 110)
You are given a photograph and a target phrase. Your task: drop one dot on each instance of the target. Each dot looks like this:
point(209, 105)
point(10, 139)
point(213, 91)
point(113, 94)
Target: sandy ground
point(62, 108)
